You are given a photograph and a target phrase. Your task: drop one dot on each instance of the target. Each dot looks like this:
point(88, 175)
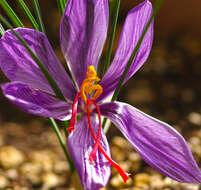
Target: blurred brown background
point(167, 86)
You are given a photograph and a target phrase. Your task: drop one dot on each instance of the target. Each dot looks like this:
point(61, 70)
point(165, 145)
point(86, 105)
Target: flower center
point(88, 85)
point(89, 89)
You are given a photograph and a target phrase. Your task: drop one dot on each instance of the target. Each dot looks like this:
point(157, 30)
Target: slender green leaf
point(29, 15)
point(59, 136)
point(111, 38)
point(65, 126)
point(111, 8)
point(11, 14)
point(2, 31)
point(61, 5)
point(38, 15)
point(37, 60)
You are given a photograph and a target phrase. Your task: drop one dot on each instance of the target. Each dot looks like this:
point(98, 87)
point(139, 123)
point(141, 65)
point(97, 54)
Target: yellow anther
point(88, 85)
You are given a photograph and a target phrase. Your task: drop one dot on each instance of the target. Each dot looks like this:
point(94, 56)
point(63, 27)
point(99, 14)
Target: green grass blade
point(62, 143)
point(2, 31)
point(111, 38)
point(37, 60)
point(61, 5)
point(11, 14)
point(29, 15)
point(38, 15)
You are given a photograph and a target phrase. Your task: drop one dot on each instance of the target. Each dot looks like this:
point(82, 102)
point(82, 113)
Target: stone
point(49, 179)
point(156, 182)
point(30, 168)
point(3, 182)
point(141, 179)
point(10, 157)
point(118, 182)
point(45, 158)
point(12, 174)
point(195, 118)
point(61, 166)
point(135, 160)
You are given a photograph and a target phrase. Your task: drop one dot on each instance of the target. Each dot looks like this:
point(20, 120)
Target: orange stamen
point(87, 85)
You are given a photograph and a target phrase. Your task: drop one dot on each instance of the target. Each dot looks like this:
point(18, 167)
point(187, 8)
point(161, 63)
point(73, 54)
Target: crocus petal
point(35, 101)
point(134, 24)
point(83, 32)
point(17, 64)
point(80, 144)
point(159, 144)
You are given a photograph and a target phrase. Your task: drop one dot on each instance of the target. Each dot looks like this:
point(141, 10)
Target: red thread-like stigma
point(74, 113)
point(95, 148)
point(97, 145)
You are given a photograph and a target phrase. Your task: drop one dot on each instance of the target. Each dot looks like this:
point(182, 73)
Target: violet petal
point(83, 32)
point(18, 65)
point(35, 101)
point(134, 24)
point(160, 145)
point(80, 144)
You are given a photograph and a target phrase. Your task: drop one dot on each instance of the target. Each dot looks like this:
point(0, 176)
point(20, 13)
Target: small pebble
point(12, 174)
point(117, 154)
point(141, 179)
point(135, 160)
point(168, 182)
point(121, 142)
point(190, 186)
point(195, 118)
point(61, 166)
point(45, 157)
point(31, 168)
point(117, 181)
point(10, 157)
point(33, 178)
point(3, 182)
point(156, 182)
point(49, 179)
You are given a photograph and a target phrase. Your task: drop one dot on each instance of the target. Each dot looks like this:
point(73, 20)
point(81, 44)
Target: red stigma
point(74, 113)
point(97, 145)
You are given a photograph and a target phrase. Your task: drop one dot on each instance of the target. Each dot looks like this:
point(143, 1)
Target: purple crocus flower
point(83, 32)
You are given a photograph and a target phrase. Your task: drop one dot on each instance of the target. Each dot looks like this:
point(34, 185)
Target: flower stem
point(29, 15)
point(11, 14)
point(38, 15)
point(117, 90)
point(111, 38)
point(61, 141)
